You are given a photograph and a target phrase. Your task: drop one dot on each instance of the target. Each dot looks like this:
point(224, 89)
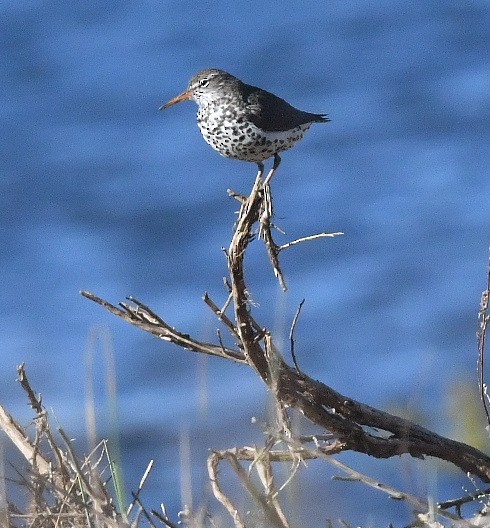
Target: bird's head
point(204, 87)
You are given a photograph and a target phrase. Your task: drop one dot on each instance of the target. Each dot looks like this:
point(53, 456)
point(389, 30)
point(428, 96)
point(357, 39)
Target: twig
point(460, 501)
point(274, 517)
point(35, 401)
point(264, 471)
point(483, 320)
point(307, 238)
point(137, 500)
point(291, 335)
point(421, 505)
point(28, 449)
point(13, 430)
point(140, 487)
point(213, 461)
point(265, 220)
point(228, 299)
point(165, 520)
point(220, 314)
point(218, 333)
point(100, 500)
point(273, 253)
point(227, 285)
point(148, 322)
point(240, 197)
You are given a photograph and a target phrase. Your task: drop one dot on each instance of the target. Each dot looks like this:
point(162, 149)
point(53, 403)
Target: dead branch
point(291, 334)
point(265, 219)
point(357, 426)
point(248, 216)
point(220, 314)
point(298, 451)
point(308, 238)
point(268, 503)
point(483, 321)
point(213, 462)
point(141, 316)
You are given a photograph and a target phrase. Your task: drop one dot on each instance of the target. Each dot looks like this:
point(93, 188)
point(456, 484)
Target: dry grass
point(56, 488)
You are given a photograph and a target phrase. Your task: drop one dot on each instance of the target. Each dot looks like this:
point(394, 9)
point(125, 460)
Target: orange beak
point(182, 97)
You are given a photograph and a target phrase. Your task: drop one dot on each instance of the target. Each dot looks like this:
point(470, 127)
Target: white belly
point(245, 141)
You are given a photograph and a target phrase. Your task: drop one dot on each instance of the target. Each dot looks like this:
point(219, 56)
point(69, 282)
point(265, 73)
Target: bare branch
point(308, 238)
point(421, 505)
point(291, 334)
point(136, 494)
point(240, 197)
point(220, 314)
point(265, 217)
point(147, 321)
point(213, 461)
point(164, 519)
point(270, 508)
point(23, 444)
point(249, 214)
point(483, 320)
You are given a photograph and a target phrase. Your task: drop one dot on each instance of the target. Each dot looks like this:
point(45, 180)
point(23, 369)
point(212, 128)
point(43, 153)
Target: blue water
point(100, 191)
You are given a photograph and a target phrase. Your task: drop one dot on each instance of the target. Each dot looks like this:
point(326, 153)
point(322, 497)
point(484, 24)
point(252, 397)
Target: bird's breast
point(234, 136)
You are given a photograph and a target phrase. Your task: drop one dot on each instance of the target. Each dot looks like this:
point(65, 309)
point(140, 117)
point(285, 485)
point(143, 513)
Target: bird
point(244, 122)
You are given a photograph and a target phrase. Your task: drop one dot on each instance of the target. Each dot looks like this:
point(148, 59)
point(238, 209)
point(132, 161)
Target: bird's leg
point(260, 165)
point(277, 162)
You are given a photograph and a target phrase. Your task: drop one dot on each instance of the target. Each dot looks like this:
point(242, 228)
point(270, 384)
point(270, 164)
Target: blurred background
point(101, 191)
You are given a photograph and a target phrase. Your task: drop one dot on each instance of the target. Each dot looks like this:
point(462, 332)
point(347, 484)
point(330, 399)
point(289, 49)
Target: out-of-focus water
point(100, 191)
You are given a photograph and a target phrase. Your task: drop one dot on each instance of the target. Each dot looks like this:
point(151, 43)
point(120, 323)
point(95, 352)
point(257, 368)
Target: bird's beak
point(182, 97)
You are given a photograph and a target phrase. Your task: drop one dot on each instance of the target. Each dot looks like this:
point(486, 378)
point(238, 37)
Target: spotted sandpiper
point(242, 121)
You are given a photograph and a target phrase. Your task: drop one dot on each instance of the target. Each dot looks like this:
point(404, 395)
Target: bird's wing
point(273, 114)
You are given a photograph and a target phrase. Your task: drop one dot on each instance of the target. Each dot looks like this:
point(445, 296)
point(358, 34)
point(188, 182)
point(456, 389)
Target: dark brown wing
point(273, 114)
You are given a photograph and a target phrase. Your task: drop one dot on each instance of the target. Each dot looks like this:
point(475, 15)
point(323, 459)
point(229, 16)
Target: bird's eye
point(203, 83)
